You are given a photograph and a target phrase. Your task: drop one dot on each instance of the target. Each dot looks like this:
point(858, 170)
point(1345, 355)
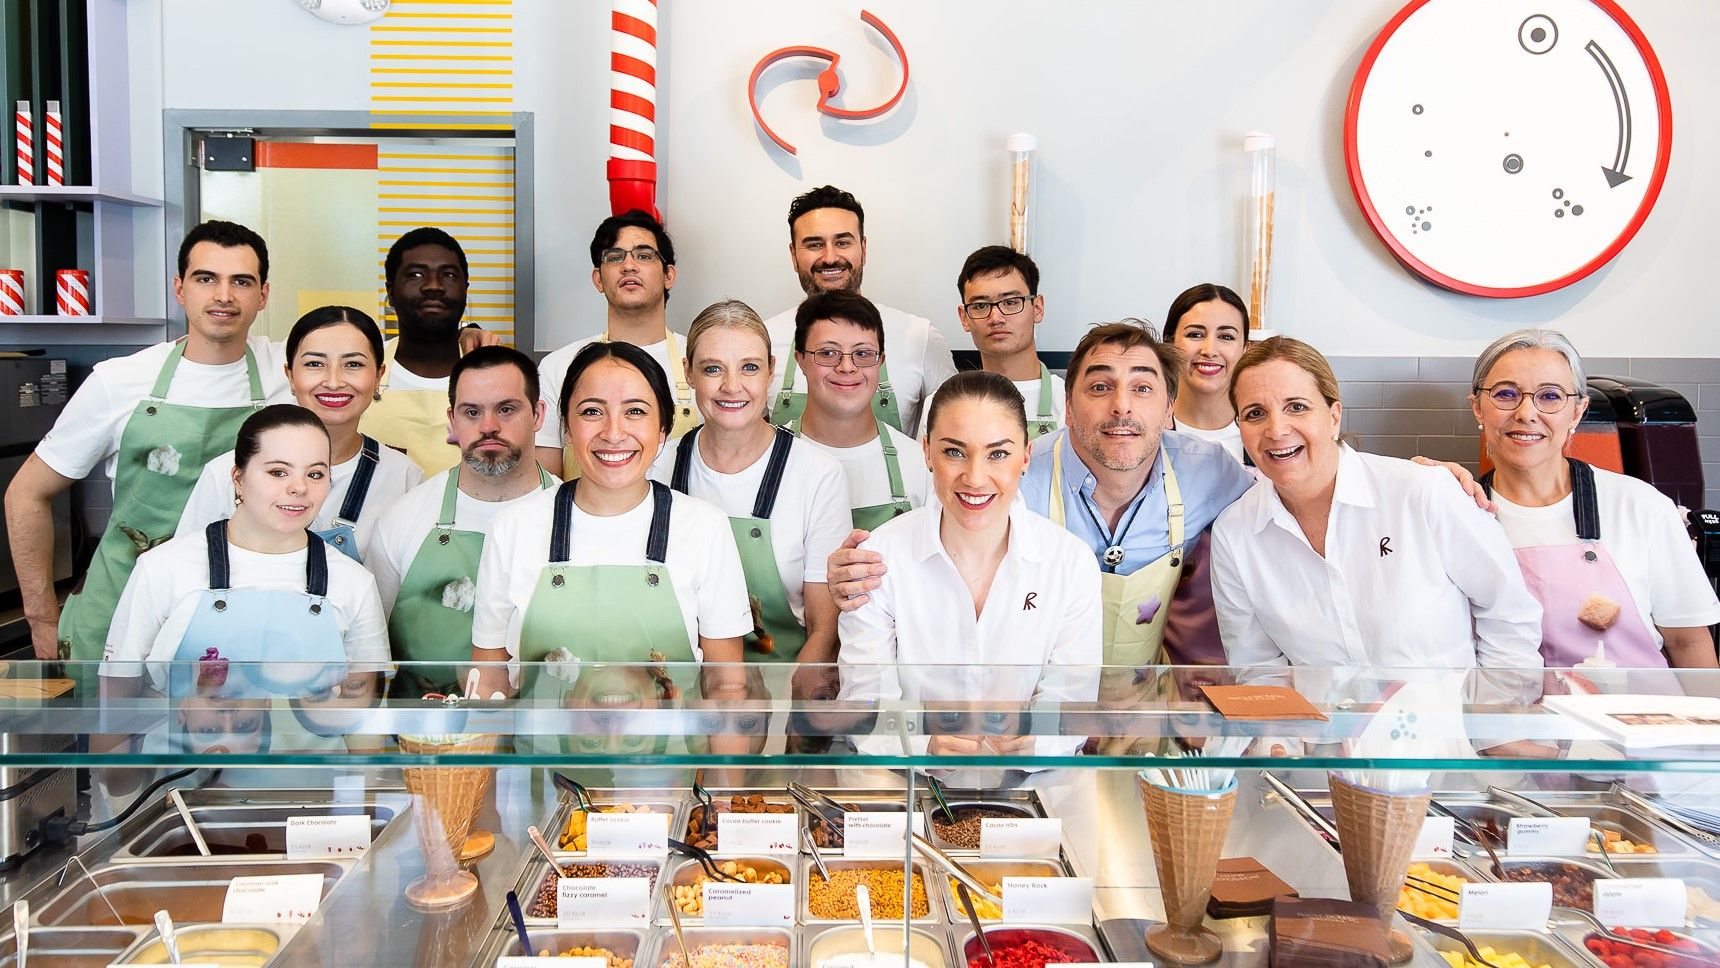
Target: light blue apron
point(276, 642)
point(342, 535)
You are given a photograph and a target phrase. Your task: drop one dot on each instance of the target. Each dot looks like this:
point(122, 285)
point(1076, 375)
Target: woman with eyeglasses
point(1343, 559)
point(1606, 554)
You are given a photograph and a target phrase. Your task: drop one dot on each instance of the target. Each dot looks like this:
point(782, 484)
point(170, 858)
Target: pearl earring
point(1479, 427)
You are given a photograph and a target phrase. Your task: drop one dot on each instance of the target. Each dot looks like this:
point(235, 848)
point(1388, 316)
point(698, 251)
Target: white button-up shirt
point(1414, 576)
point(917, 639)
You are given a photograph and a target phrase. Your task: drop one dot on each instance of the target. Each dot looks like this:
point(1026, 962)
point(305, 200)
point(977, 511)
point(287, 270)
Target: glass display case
point(298, 816)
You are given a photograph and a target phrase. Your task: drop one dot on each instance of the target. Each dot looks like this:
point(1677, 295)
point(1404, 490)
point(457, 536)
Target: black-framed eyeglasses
point(1009, 306)
point(865, 357)
point(1548, 397)
point(642, 254)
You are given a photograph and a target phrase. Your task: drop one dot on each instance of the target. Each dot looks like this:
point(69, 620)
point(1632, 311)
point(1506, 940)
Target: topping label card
point(591, 901)
point(1505, 907)
point(1435, 837)
point(1559, 836)
point(291, 898)
point(1059, 900)
point(874, 834)
point(758, 833)
point(1019, 837)
point(1641, 902)
point(626, 834)
point(748, 904)
point(346, 835)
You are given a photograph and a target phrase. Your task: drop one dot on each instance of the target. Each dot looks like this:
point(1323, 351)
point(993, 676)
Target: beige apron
point(414, 422)
point(1135, 605)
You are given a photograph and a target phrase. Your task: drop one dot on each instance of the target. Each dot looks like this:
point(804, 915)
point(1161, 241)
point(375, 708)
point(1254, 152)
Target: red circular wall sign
point(1508, 148)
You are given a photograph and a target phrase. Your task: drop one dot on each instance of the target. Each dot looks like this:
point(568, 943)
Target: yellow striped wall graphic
point(443, 57)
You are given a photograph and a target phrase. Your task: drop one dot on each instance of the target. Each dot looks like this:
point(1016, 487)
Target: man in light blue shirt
point(1140, 496)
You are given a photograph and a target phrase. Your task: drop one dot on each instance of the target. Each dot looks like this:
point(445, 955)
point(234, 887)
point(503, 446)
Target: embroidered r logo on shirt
point(1385, 546)
point(1027, 605)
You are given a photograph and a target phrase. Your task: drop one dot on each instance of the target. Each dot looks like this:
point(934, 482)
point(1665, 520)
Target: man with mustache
point(426, 276)
point(1139, 495)
point(827, 245)
point(424, 552)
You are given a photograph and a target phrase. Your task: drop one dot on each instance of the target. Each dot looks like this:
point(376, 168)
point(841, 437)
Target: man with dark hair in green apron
point(827, 246)
point(839, 341)
point(152, 419)
point(424, 551)
point(1001, 309)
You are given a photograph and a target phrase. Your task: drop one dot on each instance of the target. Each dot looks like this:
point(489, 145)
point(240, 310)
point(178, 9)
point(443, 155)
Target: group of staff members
point(1031, 529)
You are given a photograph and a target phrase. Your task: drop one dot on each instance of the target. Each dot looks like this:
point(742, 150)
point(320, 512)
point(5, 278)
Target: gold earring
point(238, 499)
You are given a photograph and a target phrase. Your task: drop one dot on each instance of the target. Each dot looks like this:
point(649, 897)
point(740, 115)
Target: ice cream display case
point(1214, 816)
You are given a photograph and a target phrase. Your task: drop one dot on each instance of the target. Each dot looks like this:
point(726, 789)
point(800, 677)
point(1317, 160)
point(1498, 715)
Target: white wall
point(1139, 106)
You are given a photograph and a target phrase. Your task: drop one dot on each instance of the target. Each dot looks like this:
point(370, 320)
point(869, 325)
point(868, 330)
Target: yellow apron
point(412, 421)
point(687, 416)
point(1136, 605)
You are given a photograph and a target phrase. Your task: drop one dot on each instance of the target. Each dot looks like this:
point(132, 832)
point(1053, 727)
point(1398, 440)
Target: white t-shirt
point(1039, 636)
point(1644, 533)
point(810, 519)
point(1029, 390)
point(1228, 436)
point(395, 474)
point(869, 479)
point(703, 565)
point(1415, 576)
point(162, 595)
point(552, 372)
point(87, 433)
point(400, 378)
point(396, 537)
point(916, 354)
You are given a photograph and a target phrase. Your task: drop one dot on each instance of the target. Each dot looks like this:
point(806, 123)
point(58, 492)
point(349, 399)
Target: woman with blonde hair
point(786, 500)
point(1338, 558)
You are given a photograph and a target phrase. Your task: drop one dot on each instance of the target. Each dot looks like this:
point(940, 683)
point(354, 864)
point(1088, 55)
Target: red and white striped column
point(56, 163)
point(633, 106)
point(26, 145)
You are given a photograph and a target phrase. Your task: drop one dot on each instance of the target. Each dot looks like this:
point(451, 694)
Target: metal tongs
point(1665, 816)
point(573, 788)
point(825, 809)
point(705, 860)
point(1299, 803)
point(930, 851)
point(1471, 834)
point(1449, 932)
point(709, 821)
point(1537, 808)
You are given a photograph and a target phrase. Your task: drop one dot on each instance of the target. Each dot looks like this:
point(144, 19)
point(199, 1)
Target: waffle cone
point(453, 793)
point(1377, 832)
point(1187, 831)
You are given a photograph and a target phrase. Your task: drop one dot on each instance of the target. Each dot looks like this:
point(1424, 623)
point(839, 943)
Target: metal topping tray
point(537, 872)
point(622, 942)
point(686, 872)
point(192, 892)
point(1537, 947)
point(661, 944)
point(927, 873)
point(930, 946)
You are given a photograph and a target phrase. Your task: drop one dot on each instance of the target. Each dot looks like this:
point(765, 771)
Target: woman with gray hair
point(1606, 554)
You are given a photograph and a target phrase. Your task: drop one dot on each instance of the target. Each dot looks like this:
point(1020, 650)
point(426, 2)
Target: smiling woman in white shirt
point(786, 501)
point(1004, 600)
point(257, 590)
point(611, 566)
point(1339, 558)
point(334, 363)
point(1606, 554)
point(1209, 323)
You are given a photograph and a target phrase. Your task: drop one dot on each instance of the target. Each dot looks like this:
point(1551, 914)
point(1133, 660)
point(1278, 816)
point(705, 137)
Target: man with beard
point(633, 266)
point(425, 550)
point(827, 245)
point(1139, 495)
point(426, 276)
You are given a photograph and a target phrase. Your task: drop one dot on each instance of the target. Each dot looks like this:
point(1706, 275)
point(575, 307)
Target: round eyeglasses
point(1548, 397)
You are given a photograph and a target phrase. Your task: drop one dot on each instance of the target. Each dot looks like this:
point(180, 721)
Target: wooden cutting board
point(34, 688)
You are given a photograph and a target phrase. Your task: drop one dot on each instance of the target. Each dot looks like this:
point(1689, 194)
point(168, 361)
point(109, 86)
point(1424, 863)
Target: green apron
point(161, 454)
point(868, 518)
point(777, 634)
point(1046, 421)
point(432, 617)
point(790, 405)
point(601, 614)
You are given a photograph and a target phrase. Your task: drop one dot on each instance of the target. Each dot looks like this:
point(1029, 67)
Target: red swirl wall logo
point(829, 81)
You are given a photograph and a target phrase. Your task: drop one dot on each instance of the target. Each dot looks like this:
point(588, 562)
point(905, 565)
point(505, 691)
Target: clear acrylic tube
point(1262, 151)
point(1022, 147)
